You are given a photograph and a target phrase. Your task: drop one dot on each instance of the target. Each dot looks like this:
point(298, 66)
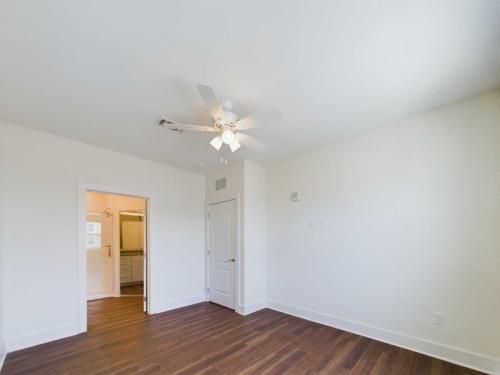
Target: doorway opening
point(116, 246)
point(132, 229)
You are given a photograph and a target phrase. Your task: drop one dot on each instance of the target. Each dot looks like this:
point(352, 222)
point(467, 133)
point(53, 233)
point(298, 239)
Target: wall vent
point(221, 183)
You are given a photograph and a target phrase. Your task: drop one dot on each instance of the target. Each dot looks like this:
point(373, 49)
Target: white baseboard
point(56, 333)
point(99, 296)
point(41, 337)
point(455, 355)
point(163, 306)
point(248, 309)
point(3, 354)
point(458, 356)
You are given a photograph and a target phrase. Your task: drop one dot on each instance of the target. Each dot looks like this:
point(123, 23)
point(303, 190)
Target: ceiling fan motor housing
point(228, 121)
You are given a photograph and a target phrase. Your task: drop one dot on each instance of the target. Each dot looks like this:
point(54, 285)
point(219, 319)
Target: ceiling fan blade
point(250, 142)
point(211, 101)
point(189, 128)
point(256, 119)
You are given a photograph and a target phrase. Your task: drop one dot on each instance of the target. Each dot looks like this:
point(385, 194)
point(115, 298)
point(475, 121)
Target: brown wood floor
point(132, 290)
point(209, 339)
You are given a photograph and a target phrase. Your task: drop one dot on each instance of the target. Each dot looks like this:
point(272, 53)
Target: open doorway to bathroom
point(116, 245)
point(132, 229)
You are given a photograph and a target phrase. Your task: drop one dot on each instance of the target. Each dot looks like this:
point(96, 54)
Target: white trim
point(175, 304)
point(447, 353)
point(99, 296)
point(207, 261)
point(3, 355)
point(146, 293)
point(41, 337)
point(82, 189)
point(249, 309)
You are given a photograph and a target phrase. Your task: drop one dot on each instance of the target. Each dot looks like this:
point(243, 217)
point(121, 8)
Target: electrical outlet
point(439, 319)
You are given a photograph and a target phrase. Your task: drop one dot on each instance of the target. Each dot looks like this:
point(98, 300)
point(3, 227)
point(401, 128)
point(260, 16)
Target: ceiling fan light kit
point(217, 143)
point(226, 123)
point(228, 136)
point(234, 145)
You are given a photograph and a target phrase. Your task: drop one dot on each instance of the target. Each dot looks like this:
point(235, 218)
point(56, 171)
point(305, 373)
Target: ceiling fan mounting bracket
point(227, 105)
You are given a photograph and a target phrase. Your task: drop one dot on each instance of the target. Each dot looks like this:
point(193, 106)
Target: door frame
point(82, 189)
point(237, 254)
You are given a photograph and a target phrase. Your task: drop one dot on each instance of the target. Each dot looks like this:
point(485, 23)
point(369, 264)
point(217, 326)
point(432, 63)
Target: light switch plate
point(439, 319)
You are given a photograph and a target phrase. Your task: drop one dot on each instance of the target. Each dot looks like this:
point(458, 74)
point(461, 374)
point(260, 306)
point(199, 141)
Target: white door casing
point(100, 259)
point(222, 250)
point(145, 259)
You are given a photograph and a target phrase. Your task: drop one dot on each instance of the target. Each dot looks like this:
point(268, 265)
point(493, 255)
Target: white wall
point(246, 182)
point(234, 173)
point(255, 236)
point(2, 303)
point(40, 176)
point(411, 226)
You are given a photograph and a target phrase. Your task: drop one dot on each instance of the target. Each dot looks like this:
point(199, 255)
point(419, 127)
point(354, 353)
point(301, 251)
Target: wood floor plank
point(210, 339)
point(132, 290)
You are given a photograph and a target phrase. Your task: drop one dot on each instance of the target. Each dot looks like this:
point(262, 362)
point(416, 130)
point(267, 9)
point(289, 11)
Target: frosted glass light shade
point(228, 137)
point(234, 145)
point(216, 143)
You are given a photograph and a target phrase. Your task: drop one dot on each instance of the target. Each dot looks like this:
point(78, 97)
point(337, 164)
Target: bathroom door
point(99, 255)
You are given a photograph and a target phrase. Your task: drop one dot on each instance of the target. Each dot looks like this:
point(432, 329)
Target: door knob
point(231, 260)
point(109, 250)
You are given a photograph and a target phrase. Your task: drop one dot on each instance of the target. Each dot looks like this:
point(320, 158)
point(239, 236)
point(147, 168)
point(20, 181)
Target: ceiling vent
point(170, 125)
point(221, 183)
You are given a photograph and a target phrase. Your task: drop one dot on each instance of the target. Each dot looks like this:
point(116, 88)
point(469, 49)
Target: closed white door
point(222, 245)
point(99, 256)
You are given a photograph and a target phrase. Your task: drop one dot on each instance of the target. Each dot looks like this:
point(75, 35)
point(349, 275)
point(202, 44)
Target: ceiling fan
point(226, 124)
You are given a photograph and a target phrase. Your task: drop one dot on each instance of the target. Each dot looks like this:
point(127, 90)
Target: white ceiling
point(103, 71)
